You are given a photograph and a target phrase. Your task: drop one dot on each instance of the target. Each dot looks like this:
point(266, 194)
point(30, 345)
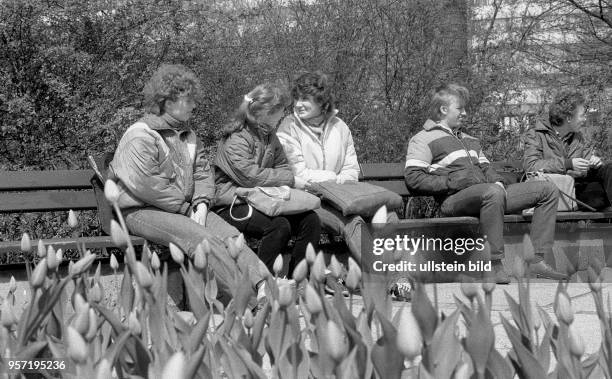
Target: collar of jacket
point(544, 126)
point(431, 125)
point(303, 125)
point(163, 122)
point(258, 130)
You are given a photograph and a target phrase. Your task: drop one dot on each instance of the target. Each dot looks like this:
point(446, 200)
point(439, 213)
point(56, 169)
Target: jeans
point(163, 227)
point(489, 202)
point(589, 188)
point(275, 232)
point(349, 227)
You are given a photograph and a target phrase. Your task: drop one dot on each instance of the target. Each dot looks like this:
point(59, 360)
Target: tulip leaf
point(528, 365)
point(234, 366)
point(424, 312)
point(198, 332)
point(388, 361)
point(127, 291)
point(348, 369)
point(446, 348)
point(196, 302)
point(498, 367)
point(480, 339)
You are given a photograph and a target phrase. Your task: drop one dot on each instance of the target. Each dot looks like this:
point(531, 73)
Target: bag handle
point(249, 214)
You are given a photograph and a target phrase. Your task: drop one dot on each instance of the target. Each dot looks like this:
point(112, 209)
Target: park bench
point(51, 191)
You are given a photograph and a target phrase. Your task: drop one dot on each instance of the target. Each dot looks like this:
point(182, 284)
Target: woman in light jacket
point(167, 185)
point(250, 155)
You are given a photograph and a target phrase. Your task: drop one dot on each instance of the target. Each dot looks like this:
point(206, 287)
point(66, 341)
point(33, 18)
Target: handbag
point(274, 201)
point(565, 184)
point(357, 198)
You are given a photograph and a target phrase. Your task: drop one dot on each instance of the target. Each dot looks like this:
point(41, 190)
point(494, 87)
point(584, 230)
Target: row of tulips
point(303, 333)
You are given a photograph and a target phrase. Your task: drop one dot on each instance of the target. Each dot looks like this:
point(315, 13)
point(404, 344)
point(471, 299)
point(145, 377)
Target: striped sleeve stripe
point(416, 163)
point(483, 159)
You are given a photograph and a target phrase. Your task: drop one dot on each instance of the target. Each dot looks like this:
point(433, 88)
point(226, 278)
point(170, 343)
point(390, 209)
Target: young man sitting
point(448, 164)
point(557, 146)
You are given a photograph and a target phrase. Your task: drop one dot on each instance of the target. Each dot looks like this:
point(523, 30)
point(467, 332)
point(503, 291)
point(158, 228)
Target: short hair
point(315, 84)
point(442, 96)
point(563, 106)
point(262, 100)
point(169, 82)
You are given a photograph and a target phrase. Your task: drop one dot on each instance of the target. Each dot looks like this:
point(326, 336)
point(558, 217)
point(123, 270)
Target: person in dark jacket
point(166, 185)
point(250, 155)
point(449, 164)
point(557, 146)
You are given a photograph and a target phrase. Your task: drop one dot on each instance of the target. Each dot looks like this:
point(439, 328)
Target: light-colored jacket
point(319, 160)
point(163, 166)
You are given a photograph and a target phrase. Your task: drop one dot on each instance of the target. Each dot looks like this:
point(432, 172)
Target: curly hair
point(265, 99)
point(563, 106)
point(169, 82)
point(315, 84)
point(443, 95)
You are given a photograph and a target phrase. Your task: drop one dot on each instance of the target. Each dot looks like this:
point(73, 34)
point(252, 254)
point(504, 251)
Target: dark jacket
point(248, 158)
point(440, 162)
point(546, 151)
point(158, 162)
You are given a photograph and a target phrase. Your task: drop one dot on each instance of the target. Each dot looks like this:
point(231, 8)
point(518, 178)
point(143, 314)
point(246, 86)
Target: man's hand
point(200, 214)
point(580, 164)
point(595, 161)
point(300, 183)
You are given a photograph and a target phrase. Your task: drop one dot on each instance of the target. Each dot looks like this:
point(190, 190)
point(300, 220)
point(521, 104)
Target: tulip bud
point(118, 235)
point(134, 324)
point(104, 369)
point(79, 304)
point(277, 267)
point(317, 272)
point(263, 270)
point(488, 286)
point(353, 277)
point(564, 310)
point(528, 250)
point(469, 289)
point(380, 217)
point(59, 256)
point(409, 338)
point(73, 222)
point(285, 295)
point(77, 348)
point(82, 265)
point(188, 317)
point(51, 259)
point(206, 246)
point(576, 343)
point(518, 267)
point(111, 191)
point(26, 244)
point(39, 274)
point(311, 255)
point(93, 325)
point(234, 252)
point(7, 317)
point(463, 372)
point(175, 367)
point(143, 276)
point(594, 280)
point(12, 285)
point(337, 343)
point(247, 319)
point(113, 262)
point(176, 253)
point(300, 271)
point(95, 293)
point(199, 258)
point(335, 267)
point(535, 317)
point(312, 300)
point(155, 263)
point(80, 323)
point(42, 252)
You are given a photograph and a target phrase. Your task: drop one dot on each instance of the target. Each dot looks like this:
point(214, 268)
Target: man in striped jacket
point(448, 164)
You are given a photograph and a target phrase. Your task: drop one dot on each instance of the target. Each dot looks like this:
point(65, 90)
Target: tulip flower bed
point(303, 335)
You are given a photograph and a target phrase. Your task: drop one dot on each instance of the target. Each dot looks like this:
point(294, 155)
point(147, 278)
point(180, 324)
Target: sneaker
point(544, 270)
point(332, 285)
point(499, 273)
point(401, 290)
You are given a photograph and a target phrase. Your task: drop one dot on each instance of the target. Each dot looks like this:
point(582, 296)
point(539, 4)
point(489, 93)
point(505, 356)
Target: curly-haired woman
point(250, 155)
point(167, 186)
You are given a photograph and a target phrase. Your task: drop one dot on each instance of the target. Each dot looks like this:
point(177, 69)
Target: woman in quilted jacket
point(250, 155)
point(166, 184)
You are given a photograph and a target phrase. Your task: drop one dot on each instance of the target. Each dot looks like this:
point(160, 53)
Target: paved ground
point(586, 319)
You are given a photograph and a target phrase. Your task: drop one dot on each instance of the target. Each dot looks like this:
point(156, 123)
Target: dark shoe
point(332, 285)
point(401, 290)
point(544, 270)
point(499, 274)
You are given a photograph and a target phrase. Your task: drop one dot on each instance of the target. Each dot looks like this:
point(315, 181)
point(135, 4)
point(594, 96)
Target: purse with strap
point(565, 184)
point(274, 201)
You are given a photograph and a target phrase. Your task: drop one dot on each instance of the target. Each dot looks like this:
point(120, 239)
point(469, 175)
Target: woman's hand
point(300, 183)
point(200, 214)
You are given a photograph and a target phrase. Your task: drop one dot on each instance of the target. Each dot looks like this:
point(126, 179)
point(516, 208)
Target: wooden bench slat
point(69, 243)
point(384, 171)
point(47, 201)
point(397, 186)
point(42, 180)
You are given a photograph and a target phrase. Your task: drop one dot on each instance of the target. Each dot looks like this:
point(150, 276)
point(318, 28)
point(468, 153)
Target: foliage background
point(72, 71)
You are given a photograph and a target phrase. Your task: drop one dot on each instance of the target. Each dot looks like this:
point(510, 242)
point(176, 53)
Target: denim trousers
point(349, 227)
point(162, 227)
point(490, 202)
point(275, 232)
